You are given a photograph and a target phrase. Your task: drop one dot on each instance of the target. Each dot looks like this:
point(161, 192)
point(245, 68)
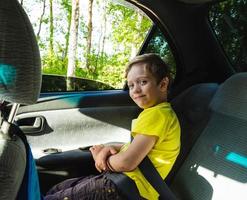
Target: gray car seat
point(20, 80)
point(216, 167)
point(192, 109)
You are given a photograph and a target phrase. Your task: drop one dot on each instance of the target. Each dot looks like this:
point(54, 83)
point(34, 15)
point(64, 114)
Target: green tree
point(66, 4)
point(126, 42)
point(41, 20)
point(89, 33)
point(159, 46)
point(51, 38)
point(229, 19)
point(103, 57)
point(133, 36)
point(73, 38)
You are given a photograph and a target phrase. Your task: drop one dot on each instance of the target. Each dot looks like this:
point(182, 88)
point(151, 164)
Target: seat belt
point(153, 177)
point(126, 186)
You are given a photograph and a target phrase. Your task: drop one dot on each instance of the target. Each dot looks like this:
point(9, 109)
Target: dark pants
point(84, 188)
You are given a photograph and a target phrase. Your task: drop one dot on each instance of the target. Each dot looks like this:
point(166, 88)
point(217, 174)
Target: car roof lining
point(200, 1)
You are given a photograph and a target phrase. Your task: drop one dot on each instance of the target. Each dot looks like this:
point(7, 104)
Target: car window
point(87, 46)
point(158, 44)
point(56, 83)
point(229, 21)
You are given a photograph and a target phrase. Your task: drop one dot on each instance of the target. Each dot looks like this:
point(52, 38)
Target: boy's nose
point(136, 89)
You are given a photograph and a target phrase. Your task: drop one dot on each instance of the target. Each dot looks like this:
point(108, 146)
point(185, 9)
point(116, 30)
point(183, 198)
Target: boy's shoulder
point(161, 106)
point(160, 110)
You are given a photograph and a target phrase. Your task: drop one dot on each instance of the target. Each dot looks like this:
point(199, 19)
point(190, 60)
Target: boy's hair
point(154, 63)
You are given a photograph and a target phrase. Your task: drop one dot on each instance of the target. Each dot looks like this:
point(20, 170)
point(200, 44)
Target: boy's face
point(143, 87)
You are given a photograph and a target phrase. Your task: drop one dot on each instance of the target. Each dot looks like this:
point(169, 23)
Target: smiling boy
point(156, 131)
point(156, 134)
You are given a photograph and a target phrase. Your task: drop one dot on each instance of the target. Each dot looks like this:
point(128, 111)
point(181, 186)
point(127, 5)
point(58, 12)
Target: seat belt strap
point(153, 177)
point(128, 187)
point(125, 185)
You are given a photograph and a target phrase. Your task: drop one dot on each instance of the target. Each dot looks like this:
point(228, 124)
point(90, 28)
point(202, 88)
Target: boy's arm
point(102, 152)
point(116, 146)
point(131, 158)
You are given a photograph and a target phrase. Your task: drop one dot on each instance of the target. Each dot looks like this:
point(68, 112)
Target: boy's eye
point(143, 82)
point(130, 86)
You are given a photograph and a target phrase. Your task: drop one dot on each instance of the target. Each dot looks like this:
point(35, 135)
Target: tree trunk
point(51, 48)
point(90, 30)
point(41, 20)
point(134, 48)
point(104, 30)
point(73, 36)
point(102, 37)
point(67, 7)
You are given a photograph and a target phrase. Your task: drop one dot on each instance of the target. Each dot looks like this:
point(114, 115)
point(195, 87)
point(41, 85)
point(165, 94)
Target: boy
point(156, 131)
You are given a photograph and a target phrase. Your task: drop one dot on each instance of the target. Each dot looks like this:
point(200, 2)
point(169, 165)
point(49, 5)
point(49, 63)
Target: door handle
point(32, 125)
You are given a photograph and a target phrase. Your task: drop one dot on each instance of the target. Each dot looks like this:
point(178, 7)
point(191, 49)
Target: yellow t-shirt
point(160, 121)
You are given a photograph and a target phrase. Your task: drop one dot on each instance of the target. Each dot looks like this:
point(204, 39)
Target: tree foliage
point(112, 44)
point(229, 20)
point(117, 34)
point(159, 46)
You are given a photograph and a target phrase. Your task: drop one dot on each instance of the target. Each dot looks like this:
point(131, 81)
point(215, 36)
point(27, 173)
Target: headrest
point(20, 68)
point(231, 97)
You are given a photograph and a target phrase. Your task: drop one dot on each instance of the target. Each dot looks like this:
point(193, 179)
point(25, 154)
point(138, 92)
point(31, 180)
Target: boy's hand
point(95, 150)
point(100, 154)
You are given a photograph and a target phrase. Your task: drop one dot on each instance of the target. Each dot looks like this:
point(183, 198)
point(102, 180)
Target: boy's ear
point(164, 84)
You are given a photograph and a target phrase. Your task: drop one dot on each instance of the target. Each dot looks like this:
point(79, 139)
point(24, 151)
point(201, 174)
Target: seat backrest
point(12, 166)
point(192, 109)
point(20, 80)
point(216, 167)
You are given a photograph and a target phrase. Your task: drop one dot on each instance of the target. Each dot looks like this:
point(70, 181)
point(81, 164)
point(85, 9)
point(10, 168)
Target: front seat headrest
point(20, 66)
point(231, 97)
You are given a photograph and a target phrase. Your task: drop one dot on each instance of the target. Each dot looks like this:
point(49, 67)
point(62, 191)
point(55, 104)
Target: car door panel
point(68, 129)
point(57, 167)
point(60, 127)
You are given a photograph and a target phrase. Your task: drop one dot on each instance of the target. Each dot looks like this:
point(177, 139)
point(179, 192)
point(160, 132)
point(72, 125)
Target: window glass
point(229, 21)
point(159, 45)
point(109, 34)
point(57, 83)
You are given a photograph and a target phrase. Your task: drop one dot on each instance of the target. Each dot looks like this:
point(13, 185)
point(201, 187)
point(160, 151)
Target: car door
point(59, 129)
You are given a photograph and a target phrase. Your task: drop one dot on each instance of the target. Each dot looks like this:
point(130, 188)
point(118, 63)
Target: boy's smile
point(143, 87)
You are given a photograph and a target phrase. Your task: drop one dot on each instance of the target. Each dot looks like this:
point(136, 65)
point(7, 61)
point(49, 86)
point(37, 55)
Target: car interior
point(208, 96)
point(20, 84)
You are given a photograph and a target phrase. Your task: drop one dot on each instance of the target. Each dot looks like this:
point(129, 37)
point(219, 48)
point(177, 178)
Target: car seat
point(216, 167)
point(20, 80)
point(192, 109)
